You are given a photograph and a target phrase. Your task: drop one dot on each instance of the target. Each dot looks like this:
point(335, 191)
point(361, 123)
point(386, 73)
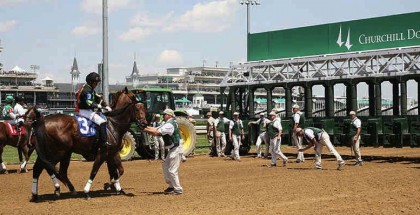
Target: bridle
point(138, 120)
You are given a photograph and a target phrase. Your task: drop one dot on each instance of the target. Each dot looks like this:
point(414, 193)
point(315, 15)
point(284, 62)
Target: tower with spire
point(75, 73)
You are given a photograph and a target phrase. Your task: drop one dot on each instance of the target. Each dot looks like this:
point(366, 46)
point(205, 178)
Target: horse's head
point(32, 115)
point(138, 113)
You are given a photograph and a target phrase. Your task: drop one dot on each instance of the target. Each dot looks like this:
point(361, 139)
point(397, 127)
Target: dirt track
point(388, 183)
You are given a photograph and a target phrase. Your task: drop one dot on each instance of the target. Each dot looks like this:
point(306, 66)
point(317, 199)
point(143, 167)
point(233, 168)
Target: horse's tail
point(41, 149)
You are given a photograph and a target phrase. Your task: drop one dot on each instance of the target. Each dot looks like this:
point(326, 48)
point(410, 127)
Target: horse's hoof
point(23, 170)
point(107, 186)
point(87, 197)
point(121, 192)
point(35, 198)
point(73, 192)
point(57, 192)
point(4, 171)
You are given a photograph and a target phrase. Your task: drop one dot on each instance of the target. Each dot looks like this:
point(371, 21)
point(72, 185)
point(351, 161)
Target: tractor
point(156, 100)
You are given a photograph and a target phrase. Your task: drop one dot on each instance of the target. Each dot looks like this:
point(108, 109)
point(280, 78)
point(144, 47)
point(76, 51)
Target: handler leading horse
point(58, 136)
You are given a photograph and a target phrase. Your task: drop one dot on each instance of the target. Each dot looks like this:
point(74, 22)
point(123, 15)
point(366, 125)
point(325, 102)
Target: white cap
point(236, 114)
point(295, 106)
point(262, 114)
point(157, 115)
point(352, 113)
point(272, 113)
point(298, 130)
point(169, 112)
point(221, 113)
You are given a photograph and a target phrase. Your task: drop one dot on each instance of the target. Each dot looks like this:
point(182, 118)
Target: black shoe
point(169, 190)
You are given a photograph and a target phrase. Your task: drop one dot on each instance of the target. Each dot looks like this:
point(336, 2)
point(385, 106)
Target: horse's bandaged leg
point(116, 184)
point(87, 186)
point(35, 186)
point(3, 166)
point(55, 181)
point(23, 165)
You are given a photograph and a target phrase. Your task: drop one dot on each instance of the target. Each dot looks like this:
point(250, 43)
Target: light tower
point(248, 14)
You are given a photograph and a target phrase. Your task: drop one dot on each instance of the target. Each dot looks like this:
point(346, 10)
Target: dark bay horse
point(23, 142)
point(58, 136)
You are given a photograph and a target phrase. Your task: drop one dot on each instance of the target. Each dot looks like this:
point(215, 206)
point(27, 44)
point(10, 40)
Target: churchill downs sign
point(353, 36)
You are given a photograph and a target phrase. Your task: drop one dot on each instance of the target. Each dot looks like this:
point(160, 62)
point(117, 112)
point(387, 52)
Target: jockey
point(88, 100)
point(8, 113)
point(19, 112)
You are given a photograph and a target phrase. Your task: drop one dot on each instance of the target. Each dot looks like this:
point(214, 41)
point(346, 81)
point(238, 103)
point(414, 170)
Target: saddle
point(13, 129)
point(87, 128)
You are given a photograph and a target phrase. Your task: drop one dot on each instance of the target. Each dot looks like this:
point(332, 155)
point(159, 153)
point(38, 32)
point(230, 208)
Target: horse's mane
point(117, 111)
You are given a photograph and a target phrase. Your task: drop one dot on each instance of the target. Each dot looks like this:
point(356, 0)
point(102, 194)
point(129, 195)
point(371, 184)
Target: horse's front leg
point(25, 151)
point(115, 170)
point(37, 170)
point(99, 160)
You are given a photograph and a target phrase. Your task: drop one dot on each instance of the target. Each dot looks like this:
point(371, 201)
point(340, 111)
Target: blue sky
point(161, 33)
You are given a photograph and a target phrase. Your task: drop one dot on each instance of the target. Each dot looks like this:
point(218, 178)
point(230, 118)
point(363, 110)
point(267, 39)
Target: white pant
point(90, 114)
point(356, 150)
point(170, 169)
point(236, 144)
point(297, 141)
point(159, 145)
point(220, 139)
point(262, 138)
point(276, 151)
point(325, 141)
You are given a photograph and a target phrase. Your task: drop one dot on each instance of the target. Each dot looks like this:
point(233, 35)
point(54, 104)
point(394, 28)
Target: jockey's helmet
point(9, 99)
point(93, 77)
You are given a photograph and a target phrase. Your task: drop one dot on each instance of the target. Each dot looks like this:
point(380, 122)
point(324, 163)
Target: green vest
point(353, 129)
point(272, 131)
point(172, 140)
point(301, 120)
point(261, 125)
point(6, 111)
point(221, 125)
point(317, 131)
point(236, 130)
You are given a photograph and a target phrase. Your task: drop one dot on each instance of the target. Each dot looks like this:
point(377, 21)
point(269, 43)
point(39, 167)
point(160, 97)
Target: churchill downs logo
point(370, 38)
point(340, 42)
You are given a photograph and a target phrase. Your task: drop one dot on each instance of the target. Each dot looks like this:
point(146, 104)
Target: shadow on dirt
point(93, 194)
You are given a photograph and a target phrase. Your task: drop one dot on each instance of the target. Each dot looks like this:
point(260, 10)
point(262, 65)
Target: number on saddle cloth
point(87, 128)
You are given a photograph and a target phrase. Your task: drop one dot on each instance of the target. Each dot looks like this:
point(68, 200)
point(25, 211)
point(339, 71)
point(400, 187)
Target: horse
point(22, 141)
point(58, 136)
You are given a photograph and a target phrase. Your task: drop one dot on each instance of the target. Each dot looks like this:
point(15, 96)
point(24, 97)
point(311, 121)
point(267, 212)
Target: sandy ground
point(388, 183)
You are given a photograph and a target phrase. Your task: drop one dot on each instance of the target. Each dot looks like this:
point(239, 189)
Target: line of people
point(270, 133)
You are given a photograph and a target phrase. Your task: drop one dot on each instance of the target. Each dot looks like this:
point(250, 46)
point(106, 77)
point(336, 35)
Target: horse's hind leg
point(3, 168)
point(37, 170)
point(100, 158)
point(64, 166)
point(25, 151)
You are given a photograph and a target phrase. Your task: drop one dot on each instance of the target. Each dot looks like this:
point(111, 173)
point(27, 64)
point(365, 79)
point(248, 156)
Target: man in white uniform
point(318, 137)
point(355, 129)
point(236, 134)
point(274, 130)
point(262, 137)
point(19, 111)
point(170, 134)
point(219, 129)
point(298, 122)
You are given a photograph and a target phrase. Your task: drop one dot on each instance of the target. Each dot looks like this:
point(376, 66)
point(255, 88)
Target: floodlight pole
point(105, 83)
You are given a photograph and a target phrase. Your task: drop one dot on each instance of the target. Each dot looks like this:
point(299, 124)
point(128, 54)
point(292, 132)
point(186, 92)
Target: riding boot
point(18, 125)
point(103, 135)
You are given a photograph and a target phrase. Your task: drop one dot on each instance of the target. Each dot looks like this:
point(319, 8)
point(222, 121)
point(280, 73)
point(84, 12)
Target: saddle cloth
point(12, 129)
point(87, 128)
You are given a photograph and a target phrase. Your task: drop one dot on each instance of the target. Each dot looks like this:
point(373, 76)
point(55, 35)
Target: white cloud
point(7, 25)
point(213, 16)
point(136, 33)
point(95, 6)
point(170, 58)
point(85, 30)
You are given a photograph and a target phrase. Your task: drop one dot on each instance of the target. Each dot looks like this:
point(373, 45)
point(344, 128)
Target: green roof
point(153, 89)
point(183, 100)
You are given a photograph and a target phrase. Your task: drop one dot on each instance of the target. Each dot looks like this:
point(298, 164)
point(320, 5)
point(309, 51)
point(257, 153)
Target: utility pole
point(105, 83)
